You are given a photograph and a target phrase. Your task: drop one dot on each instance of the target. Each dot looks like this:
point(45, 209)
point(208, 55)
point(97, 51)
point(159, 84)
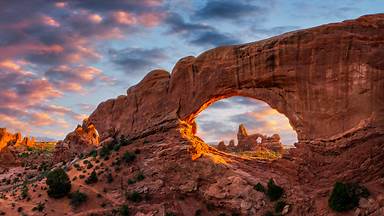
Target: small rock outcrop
point(83, 139)
point(252, 142)
point(16, 140)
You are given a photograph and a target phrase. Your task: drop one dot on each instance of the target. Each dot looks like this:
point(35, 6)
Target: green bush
point(345, 197)
point(109, 178)
point(279, 206)
point(124, 141)
point(274, 192)
point(77, 198)
point(104, 152)
point(24, 191)
point(259, 187)
point(128, 157)
point(139, 176)
point(40, 207)
point(134, 196)
point(93, 153)
point(124, 210)
point(58, 183)
point(92, 178)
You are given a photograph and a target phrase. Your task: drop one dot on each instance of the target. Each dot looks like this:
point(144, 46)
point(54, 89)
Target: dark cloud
point(214, 38)
point(136, 60)
point(198, 34)
point(229, 9)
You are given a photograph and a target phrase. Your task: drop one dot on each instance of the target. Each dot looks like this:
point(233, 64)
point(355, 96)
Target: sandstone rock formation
point(81, 140)
point(327, 80)
point(252, 142)
point(16, 140)
point(8, 139)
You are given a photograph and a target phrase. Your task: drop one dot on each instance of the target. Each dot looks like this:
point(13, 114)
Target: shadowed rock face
point(327, 80)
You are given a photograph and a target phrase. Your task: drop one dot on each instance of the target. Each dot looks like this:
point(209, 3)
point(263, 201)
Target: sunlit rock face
point(252, 142)
point(327, 80)
point(81, 140)
point(16, 140)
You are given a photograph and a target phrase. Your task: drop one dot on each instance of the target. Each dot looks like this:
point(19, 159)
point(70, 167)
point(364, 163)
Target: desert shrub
point(104, 152)
point(77, 198)
point(274, 192)
point(109, 178)
point(170, 214)
point(93, 153)
point(198, 212)
point(131, 181)
point(43, 166)
point(39, 207)
point(259, 187)
point(134, 196)
point(124, 210)
point(92, 178)
point(139, 176)
point(116, 147)
point(24, 191)
point(345, 197)
point(89, 166)
point(58, 183)
point(128, 157)
point(279, 206)
point(124, 141)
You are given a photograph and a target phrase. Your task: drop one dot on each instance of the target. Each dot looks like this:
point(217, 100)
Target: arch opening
point(242, 126)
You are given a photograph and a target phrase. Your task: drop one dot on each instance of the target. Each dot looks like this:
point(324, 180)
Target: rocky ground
point(155, 175)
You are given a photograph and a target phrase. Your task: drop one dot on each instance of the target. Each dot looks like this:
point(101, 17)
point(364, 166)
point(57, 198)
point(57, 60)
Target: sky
point(221, 120)
point(59, 59)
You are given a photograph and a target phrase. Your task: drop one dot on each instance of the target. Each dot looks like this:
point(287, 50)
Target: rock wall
point(327, 80)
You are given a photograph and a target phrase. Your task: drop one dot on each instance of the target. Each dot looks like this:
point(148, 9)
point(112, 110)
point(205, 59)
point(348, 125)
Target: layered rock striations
point(327, 80)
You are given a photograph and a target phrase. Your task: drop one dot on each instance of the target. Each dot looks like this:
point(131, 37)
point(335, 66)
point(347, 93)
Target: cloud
point(231, 10)
point(74, 78)
point(136, 60)
point(214, 38)
point(198, 34)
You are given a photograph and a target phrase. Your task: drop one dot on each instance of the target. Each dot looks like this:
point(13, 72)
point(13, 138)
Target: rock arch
point(327, 80)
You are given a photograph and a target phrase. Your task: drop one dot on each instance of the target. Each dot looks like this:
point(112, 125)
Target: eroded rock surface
point(327, 80)
point(80, 141)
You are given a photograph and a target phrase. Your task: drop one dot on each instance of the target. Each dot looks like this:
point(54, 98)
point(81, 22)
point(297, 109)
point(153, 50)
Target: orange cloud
point(151, 19)
point(95, 18)
point(124, 18)
point(47, 20)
